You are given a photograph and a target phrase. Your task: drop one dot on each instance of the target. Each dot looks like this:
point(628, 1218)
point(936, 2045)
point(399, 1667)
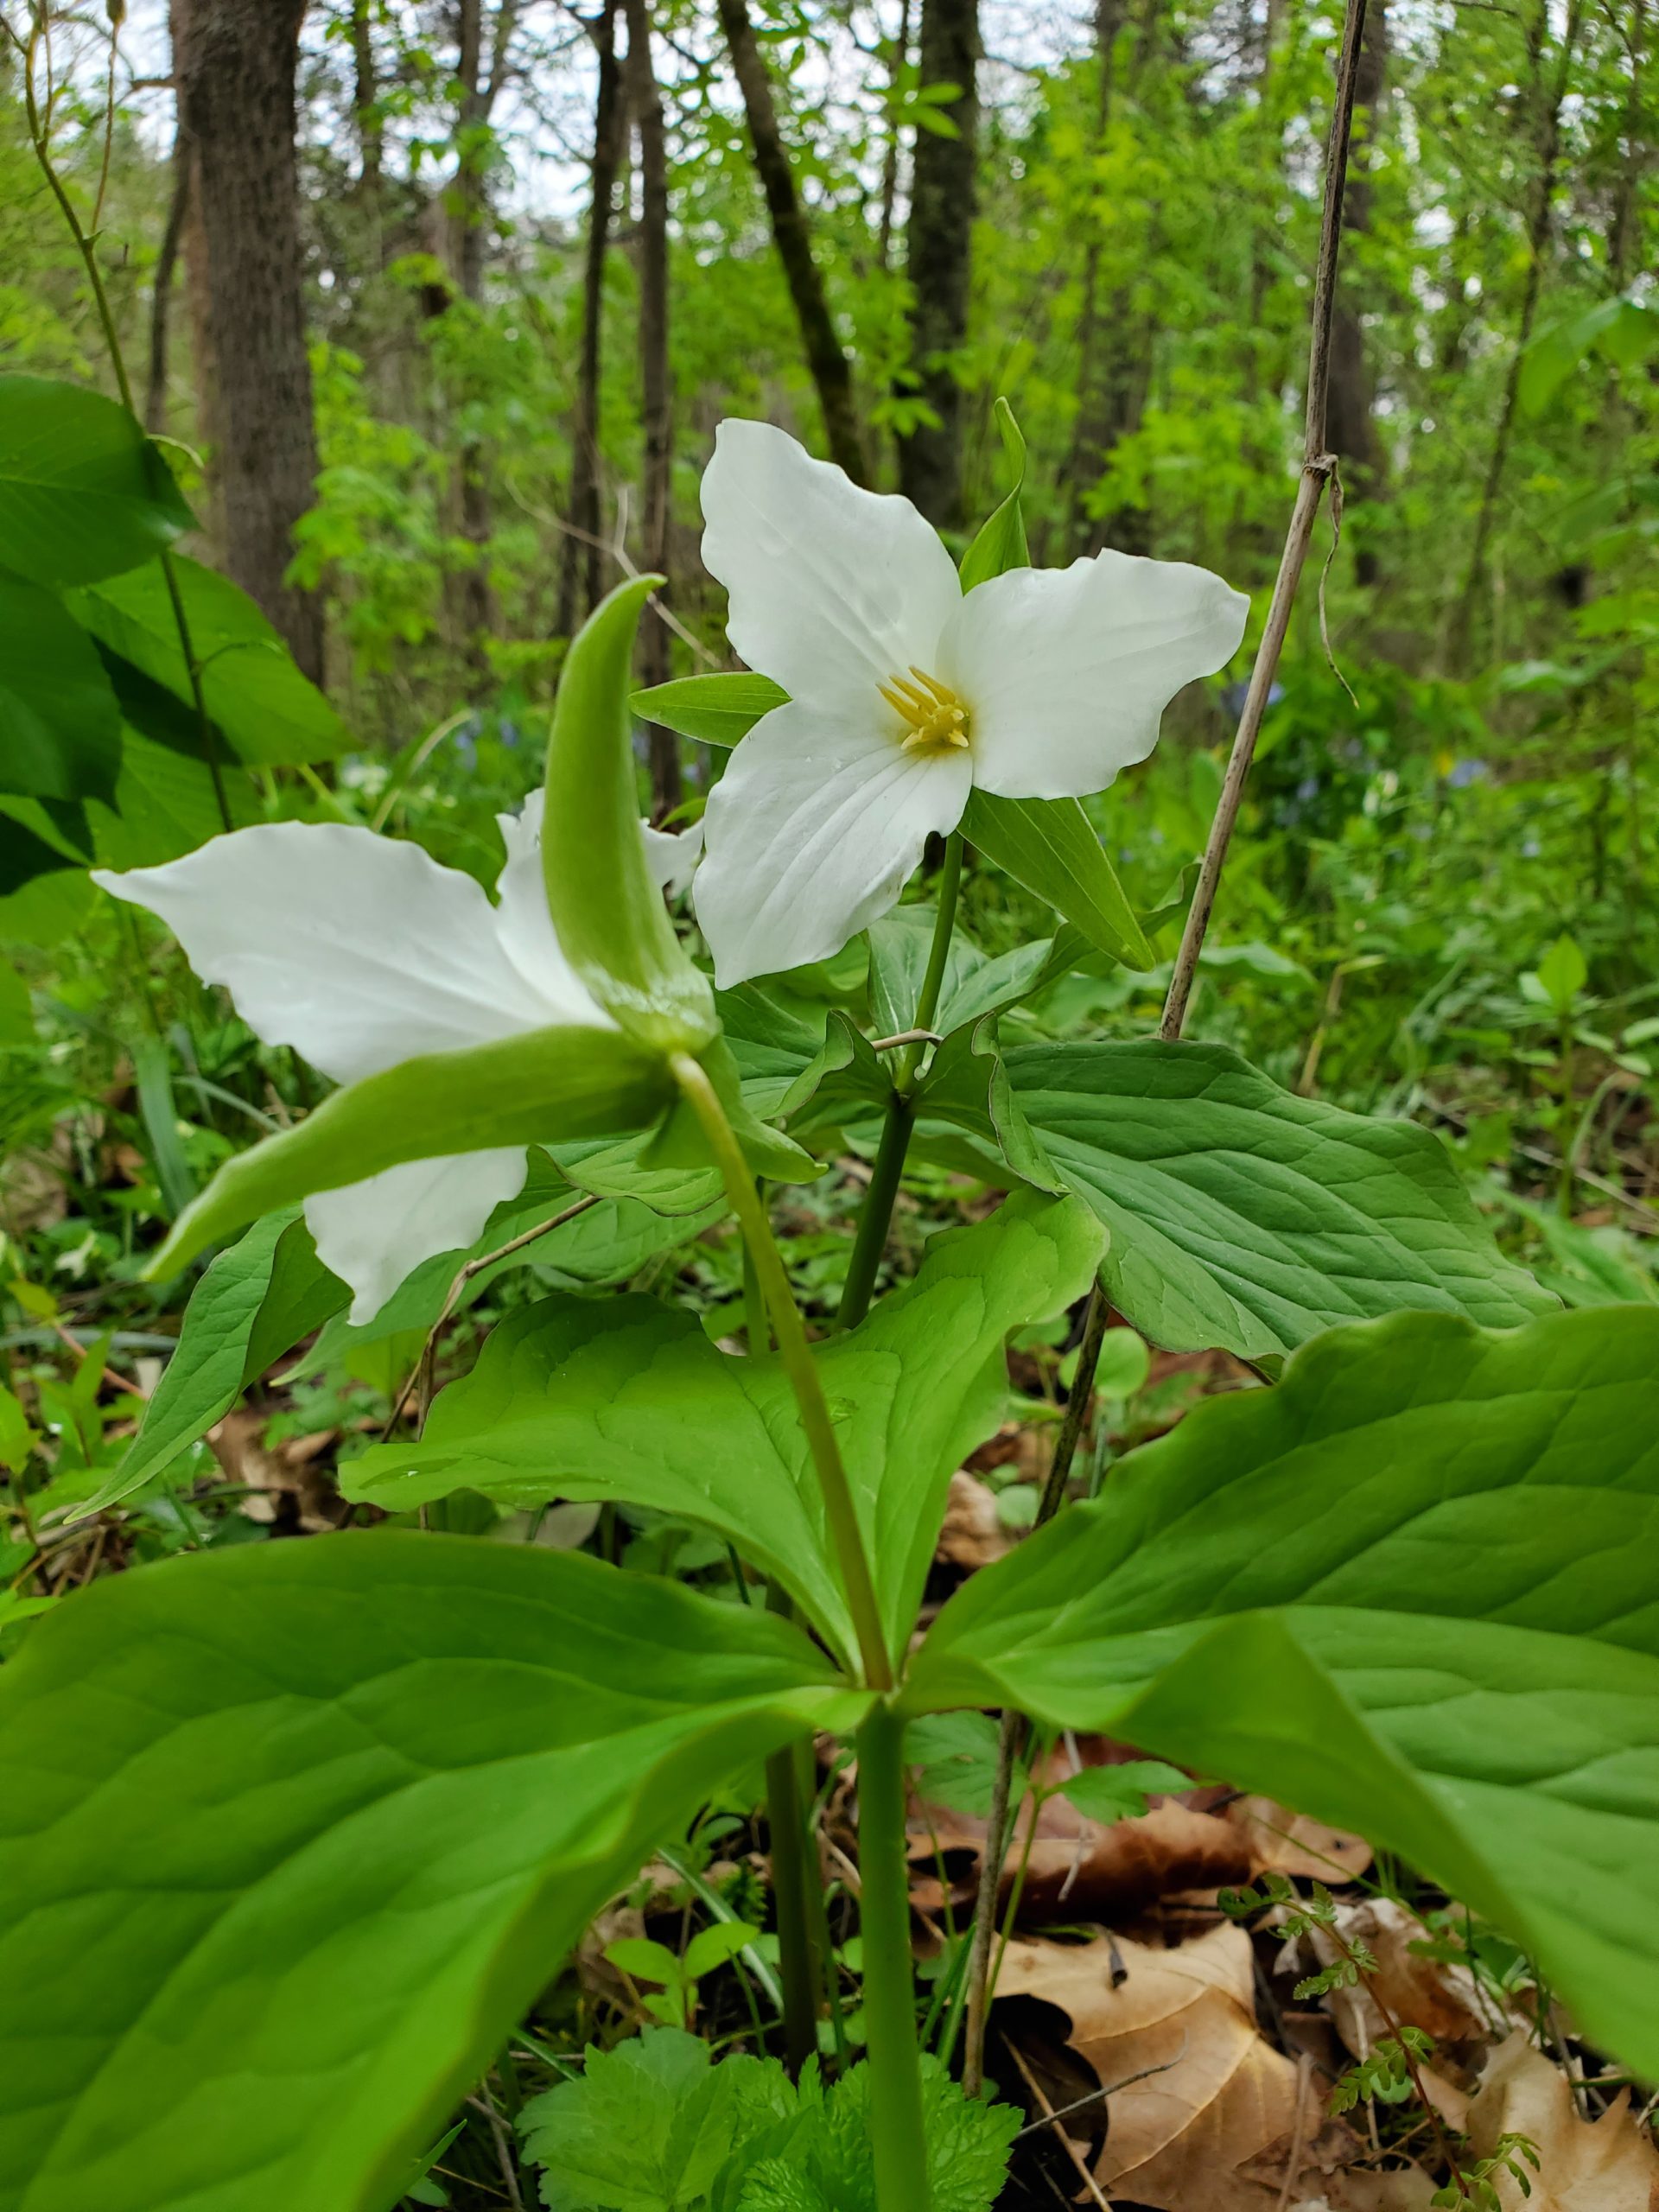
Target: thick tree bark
point(656, 389)
point(365, 102)
point(236, 63)
point(581, 579)
point(831, 371)
point(1350, 414)
point(940, 255)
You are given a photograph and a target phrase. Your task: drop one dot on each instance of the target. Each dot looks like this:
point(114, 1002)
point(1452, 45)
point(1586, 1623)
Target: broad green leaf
point(1049, 845)
point(27, 854)
point(611, 921)
point(165, 805)
point(651, 2125)
point(237, 1321)
point(59, 726)
point(716, 709)
point(1563, 973)
point(609, 1243)
point(545, 1084)
point(1107, 1794)
point(680, 1142)
point(327, 1816)
point(1554, 355)
point(1001, 544)
point(629, 1400)
point(1243, 1217)
point(614, 1168)
point(967, 1082)
point(83, 494)
point(268, 713)
point(1413, 1590)
point(974, 984)
point(773, 1037)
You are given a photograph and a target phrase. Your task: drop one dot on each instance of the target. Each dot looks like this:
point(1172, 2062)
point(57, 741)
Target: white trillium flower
point(904, 694)
point(361, 951)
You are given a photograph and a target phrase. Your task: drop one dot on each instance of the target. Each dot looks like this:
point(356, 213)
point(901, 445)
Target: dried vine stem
point(1319, 467)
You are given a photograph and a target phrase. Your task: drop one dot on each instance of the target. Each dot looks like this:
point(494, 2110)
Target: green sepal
point(610, 917)
point(546, 1084)
point(1049, 846)
point(1001, 544)
point(714, 710)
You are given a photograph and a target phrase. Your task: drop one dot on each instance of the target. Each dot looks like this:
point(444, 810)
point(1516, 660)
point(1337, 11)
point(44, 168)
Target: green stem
point(876, 1218)
point(798, 1967)
point(86, 248)
point(798, 1366)
point(933, 980)
point(896, 2126)
point(885, 1176)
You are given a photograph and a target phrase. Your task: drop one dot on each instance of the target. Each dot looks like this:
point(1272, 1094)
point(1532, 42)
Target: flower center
point(937, 719)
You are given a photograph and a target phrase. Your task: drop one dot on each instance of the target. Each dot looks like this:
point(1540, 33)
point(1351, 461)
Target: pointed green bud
point(609, 915)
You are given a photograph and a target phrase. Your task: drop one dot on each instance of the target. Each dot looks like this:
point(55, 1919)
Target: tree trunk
point(1115, 346)
point(581, 579)
point(236, 66)
point(940, 255)
point(831, 371)
point(160, 298)
point(1540, 230)
point(657, 390)
point(472, 602)
point(890, 159)
point(1350, 416)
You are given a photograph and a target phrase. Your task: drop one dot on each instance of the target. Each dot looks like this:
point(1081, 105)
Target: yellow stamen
point(935, 718)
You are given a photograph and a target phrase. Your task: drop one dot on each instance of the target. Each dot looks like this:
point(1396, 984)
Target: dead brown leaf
point(973, 1534)
point(1601, 2166)
point(285, 1484)
point(1218, 2127)
point(1292, 1843)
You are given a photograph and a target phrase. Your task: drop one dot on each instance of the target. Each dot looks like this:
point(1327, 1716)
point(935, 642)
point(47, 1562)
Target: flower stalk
point(797, 1356)
point(889, 1168)
point(896, 2124)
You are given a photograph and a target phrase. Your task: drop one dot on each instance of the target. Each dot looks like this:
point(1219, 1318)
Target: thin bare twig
point(474, 1268)
point(1050, 2118)
point(1318, 467)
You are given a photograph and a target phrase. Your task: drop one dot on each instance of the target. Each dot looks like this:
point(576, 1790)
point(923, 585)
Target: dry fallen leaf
point(1601, 2166)
point(973, 1534)
point(1292, 1843)
point(1179, 2139)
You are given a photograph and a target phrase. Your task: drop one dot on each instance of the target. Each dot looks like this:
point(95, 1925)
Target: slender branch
point(1318, 467)
point(451, 1297)
point(798, 1365)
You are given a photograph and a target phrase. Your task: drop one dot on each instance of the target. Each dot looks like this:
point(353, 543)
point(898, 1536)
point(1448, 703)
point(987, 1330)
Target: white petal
point(376, 1233)
point(359, 950)
point(526, 927)
point(1066, 672)
point(811, 833)
point(833, 589)
point(672, 855)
